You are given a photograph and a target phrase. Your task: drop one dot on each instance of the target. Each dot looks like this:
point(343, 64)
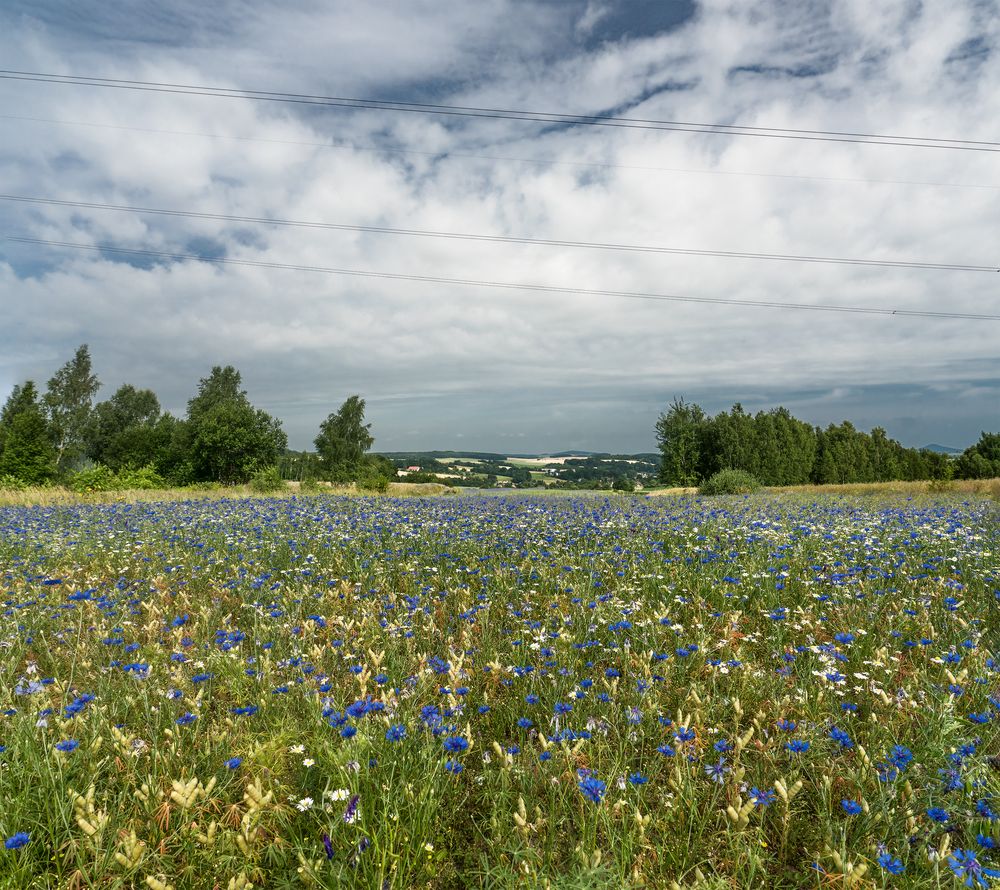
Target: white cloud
point(505, 360)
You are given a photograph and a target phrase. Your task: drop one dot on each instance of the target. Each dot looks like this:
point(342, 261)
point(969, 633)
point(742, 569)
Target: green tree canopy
point(123, 430)
point(228, 439)
point(343, 439)
point(679, 434)
point(26, 451)
point(68, 402)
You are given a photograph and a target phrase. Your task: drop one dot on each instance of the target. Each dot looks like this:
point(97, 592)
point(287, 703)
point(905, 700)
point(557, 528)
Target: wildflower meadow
point(773, 691)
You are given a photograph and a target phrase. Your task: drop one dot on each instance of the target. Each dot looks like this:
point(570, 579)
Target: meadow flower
point(395, 733)
point(761, 798)
point(67, 745)
point(851, 807)
point(304, 804)
point(455, 744)
point(351, 811)
point(797, 746)
point(890, 864)
point(717, 771)
point(234, 762)
point(936, 814)
point(453, 766)
point(965, 865)
point(185, 719)
point(16, 841)
point(592, 788)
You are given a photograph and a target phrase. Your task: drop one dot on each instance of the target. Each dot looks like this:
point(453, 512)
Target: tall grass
point(499, 692)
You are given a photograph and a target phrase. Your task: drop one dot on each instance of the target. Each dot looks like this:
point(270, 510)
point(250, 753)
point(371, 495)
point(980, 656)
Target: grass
point(516, 691)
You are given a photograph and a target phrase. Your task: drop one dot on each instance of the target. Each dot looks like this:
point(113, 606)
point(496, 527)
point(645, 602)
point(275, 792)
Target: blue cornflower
point(16, 841)
point(937, 814)
point(797, 746)
point(638, 779)
point(455, 744)
point(851, 807)
point(717, 771)
point(890, 864)
point(348, 732)
point(761, 798)
point(531, 698)
point(524, 723)
point(838, 735)
point(666, 750)
point(453, 766)
point(67, 745)
point(562, 708)
point(185, 719)
point(965, 865)
point(234, 762)
point(787, 725)
point(395, 733)
point(592, 788)
point(684, 734)
point(723, 746)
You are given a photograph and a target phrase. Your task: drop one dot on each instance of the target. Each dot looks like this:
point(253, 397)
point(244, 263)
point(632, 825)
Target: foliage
point(500, 692)
point(779, 449)
point(26, 451)
point(68, 401)
point(95, 478)
point(227, 439)
point(982, 460)
point(140, 478)
point(123, 431)
point(267, 480)
point(729, 481)
point(12, 483)
point(679, 435)
point(343, 439)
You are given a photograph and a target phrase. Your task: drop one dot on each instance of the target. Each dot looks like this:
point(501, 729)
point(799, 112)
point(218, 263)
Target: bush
point(267, 480)
point(729, 482)
point(143, 477)
point(11, 483)
point(369, 479)
point(95, 478)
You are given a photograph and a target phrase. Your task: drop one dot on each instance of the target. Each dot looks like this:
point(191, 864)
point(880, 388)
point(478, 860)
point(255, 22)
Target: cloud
point(439, 360)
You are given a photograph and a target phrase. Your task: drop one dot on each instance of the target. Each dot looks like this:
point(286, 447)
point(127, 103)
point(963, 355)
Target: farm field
point(778, 691)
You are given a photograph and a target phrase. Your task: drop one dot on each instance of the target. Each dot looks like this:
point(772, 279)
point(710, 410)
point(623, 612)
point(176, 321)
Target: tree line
point(779, 449)
point(50, 436)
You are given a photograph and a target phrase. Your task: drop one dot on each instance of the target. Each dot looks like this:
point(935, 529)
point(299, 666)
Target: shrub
point(369, 479)
point(729, 482)
point(142, 477)
point(266, 480)
point(12, 483)
point(95, 478)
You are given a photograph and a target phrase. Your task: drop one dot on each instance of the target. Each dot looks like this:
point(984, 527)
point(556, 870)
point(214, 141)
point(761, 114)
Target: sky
point(464, 367)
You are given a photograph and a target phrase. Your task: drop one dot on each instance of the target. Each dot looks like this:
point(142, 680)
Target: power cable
point(509, 239)
point(546, 162)
point(509, 285)
point(472, 111)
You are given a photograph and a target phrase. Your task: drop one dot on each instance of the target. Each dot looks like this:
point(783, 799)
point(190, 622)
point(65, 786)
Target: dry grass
point(59, 496)
point(981, 487)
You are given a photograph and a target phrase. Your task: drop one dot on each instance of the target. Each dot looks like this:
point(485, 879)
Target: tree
point(228, 440)
point(68, 402)
point(343, 439)
point(679, 434)
point(26, 451)
point(123, 430)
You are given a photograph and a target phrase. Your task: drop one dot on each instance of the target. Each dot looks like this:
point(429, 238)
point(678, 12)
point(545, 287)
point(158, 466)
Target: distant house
point(413, 469)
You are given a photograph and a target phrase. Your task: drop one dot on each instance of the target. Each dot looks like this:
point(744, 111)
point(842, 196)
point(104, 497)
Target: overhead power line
point(508, 239)
point(472, 111)
point(511, 285)
point(541, 162)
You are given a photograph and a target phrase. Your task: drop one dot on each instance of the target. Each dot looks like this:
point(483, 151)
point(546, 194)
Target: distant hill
point(941, 449)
